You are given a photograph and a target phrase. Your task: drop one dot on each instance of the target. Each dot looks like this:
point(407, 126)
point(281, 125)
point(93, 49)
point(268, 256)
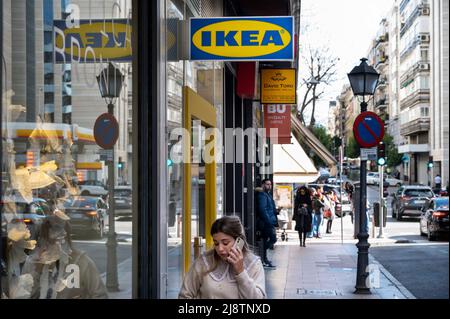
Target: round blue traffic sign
point(106, 131)
point(368, 129)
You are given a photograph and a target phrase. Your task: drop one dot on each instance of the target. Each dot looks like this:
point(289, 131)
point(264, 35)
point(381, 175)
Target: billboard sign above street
point(93, 40)
point(278, 86)
point(242, 38)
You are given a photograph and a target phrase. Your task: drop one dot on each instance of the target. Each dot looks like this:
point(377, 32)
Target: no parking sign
point(368, 129)
point(106, 131)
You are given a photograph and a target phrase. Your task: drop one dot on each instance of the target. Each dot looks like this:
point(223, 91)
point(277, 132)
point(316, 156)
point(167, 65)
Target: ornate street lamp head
point(110, 82)
point(363, 79)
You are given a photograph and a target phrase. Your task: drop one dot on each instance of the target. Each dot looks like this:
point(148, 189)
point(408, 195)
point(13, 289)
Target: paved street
point(97, 249)
point(413, 266)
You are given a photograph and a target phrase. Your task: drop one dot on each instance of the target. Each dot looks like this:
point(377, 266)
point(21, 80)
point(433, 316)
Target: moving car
point(87, 215)
point(410, 200)
point(434, 218)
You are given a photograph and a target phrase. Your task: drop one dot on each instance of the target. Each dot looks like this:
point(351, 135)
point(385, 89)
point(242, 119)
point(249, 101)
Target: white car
point(92, 188)
point(373, 178)
point(393, 181)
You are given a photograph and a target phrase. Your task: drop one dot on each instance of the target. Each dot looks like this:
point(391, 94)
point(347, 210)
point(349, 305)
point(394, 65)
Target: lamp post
point(110, 82)
point(363, 80)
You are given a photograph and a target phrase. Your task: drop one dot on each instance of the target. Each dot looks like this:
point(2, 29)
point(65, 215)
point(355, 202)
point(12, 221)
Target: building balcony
point(415, 126)
point(419, 96)
point(382, 83)
point(381, 104)
point(382, 40)
point(408, 76)
point(381, 61)
point(413, 148)
point(422, 9)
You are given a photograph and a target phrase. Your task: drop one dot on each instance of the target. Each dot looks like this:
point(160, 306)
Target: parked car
point(391, 181)
point(122, 200)
point(32, 214)
point(92, 188)
point(434, 218)
point(409, 200)
point(87, 215)
point(373, 178)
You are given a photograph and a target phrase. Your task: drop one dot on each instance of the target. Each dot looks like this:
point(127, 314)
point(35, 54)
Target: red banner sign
point(277, 121)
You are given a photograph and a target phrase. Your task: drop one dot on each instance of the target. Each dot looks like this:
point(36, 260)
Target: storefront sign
point(242, 38)
point(277, 121)
point(278, 86)
point(93, 41)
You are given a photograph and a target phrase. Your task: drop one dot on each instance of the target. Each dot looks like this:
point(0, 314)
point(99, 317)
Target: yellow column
point(187, 184)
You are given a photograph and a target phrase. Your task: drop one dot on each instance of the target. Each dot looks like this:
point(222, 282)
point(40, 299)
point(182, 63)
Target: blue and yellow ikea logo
point(242, 38)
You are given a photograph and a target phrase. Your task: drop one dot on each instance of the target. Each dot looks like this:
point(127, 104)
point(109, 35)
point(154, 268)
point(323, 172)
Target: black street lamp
point(110, 82)
point(363, 80)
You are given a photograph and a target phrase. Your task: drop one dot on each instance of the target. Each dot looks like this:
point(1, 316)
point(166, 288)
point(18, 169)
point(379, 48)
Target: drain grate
point(318, 292)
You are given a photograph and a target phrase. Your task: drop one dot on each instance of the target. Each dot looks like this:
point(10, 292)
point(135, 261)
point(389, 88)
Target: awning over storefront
point(300, 131)
point(292, 165)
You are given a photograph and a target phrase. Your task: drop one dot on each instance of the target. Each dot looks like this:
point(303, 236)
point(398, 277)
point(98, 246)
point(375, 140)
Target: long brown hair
point(231, 226)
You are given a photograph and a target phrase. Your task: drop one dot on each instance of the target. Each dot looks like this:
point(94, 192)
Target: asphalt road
point(420, 266)
point(97, 249)
point(422, 269)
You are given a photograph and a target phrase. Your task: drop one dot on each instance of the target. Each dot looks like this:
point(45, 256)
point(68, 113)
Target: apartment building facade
point(439, 119)
point(414, 90)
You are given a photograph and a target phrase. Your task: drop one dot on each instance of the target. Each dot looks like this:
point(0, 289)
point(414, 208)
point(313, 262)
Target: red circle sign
point(368, 129)
point(106, 131)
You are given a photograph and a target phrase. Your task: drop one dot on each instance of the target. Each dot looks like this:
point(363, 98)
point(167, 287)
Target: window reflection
point(57, 210)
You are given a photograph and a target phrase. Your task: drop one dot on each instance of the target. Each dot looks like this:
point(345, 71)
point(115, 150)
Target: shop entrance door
point(199, 176)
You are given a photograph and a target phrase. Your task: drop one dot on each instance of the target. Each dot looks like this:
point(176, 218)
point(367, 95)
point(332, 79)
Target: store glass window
point(206, 80)
point(66, 218)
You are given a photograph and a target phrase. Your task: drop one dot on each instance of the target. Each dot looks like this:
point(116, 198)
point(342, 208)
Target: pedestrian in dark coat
point(302, 213)
point(266, 218)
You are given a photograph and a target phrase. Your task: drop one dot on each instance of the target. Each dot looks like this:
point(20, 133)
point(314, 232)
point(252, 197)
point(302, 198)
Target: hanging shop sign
point(242, 38)
point(277, 121)
point(93, 40)
point(278, 86)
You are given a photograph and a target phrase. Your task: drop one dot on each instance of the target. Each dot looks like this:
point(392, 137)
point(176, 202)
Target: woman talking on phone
point(229, 270)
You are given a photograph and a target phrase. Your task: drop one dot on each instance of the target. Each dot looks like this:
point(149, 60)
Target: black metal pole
point(112, 282)
point(363, 244)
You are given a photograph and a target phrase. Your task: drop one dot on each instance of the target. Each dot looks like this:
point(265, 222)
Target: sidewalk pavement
point(326, 269)
point(124, 272)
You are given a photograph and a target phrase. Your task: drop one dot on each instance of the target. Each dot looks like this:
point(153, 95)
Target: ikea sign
point(242, 39)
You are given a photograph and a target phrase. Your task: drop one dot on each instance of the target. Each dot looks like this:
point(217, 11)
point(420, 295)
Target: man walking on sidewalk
point(266, 219)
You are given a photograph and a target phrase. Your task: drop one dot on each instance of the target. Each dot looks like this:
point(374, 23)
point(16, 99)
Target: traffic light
point(381, 156)
point(430, 162)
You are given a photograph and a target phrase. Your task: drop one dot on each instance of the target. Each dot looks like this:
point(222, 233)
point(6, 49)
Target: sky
point(347, 28)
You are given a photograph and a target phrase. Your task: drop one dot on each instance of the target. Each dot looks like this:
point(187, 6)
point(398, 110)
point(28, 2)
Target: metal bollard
point(373, 226)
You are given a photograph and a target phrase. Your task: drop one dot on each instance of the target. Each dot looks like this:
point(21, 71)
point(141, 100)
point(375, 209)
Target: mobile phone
point(239, 243)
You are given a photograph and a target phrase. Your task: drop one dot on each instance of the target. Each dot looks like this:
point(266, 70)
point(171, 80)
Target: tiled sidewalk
point(324, 270)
